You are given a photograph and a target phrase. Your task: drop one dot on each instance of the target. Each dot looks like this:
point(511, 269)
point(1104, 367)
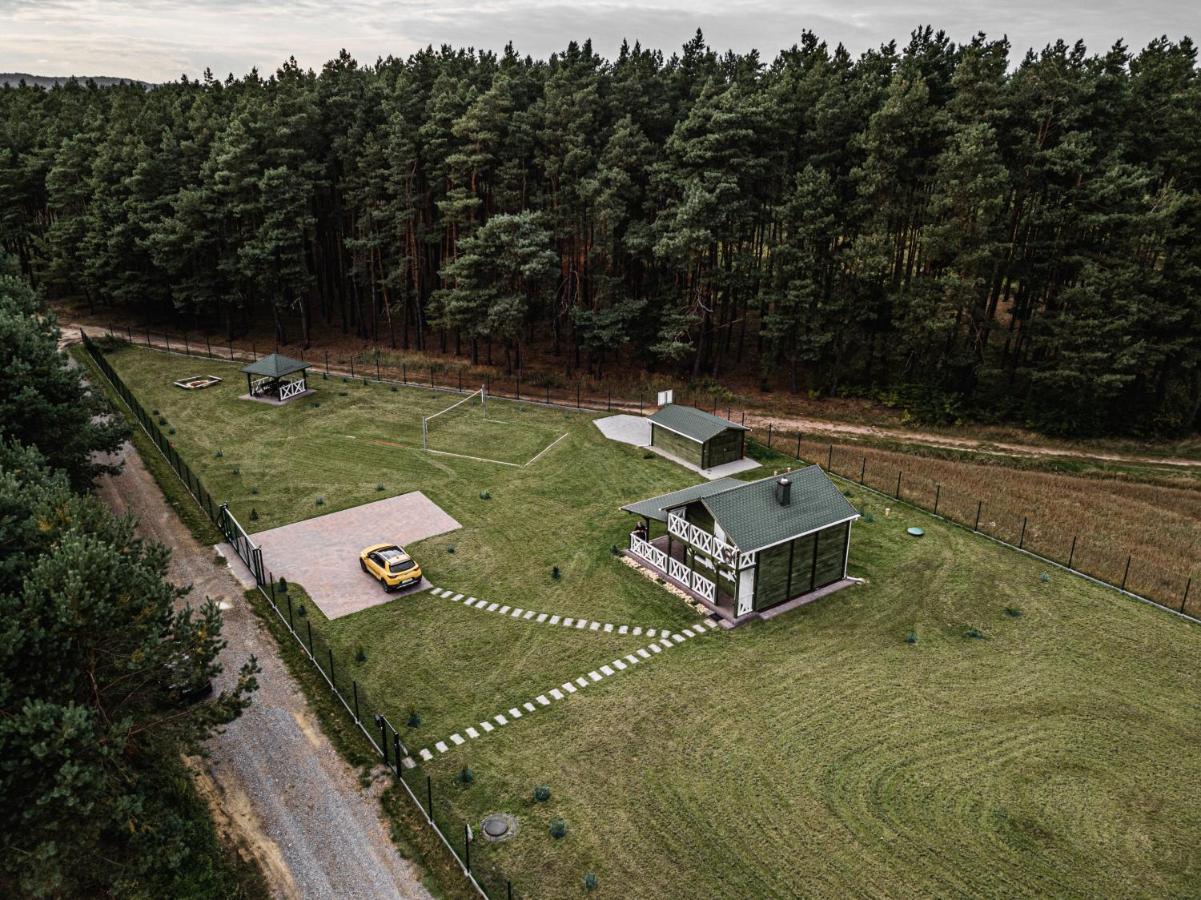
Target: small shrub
point(911, 638)
point(254, 491)
point(343, 393)
point(170, 431)
point(162, 420)
point(590, 882)
point(364, 382)
point(414, 720)
point(1044, 578)
point(392, 389)
point(542, 793)
point(325, 376)
point(466, 776)
point(237, 470)
point(360, 655)
point(555, 573)
point(484, 495)
point(379, 487)
point(218, 454)
point(648, 455)
point(254, 514)
point(154, 412)
point(1014, 612)
point(450, 548)
point(974, 633)
point(283, 585)
point(301, 611)
point(345, 380)
point(615, 550)
point(558, 829)
point(320, 501)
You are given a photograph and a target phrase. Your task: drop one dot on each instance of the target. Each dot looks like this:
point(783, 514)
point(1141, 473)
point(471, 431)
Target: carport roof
point(274, 365)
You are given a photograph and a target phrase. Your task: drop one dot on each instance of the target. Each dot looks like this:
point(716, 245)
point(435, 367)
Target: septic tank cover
point(498, 827)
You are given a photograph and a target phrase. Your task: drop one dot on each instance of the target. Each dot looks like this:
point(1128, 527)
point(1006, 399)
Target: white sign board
point(665, 398)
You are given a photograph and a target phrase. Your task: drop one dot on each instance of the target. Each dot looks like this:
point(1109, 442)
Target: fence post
point(352, 367)
point(519, 384)
point(548, 395)
point(273, 603)
point(254, 350)
point(326, 362)
point(937, 492)
point(460, 381)
point(862, 470)
point(400, 769)
point(1072, 554)
point(377, 378)
point(208, 347)
point(979, 507)
point(186, 350)
point(509, 889)
point(769, 435)
point(577, 395)
point(309, 624)
point(431, 376)
point(167, 338)
point(1022, 539)
point(1184, 600)
point(1126, 574)
point(354, 685)
point(429, 797)
point(829, 457)
point(383, 736)
point(129, 332)
point(798, 447)
point(231, 350)
point(147, 337)
point(640, 402)
point(609, 404)
point(332, 679)
point(898, 495)
point(467, 845)
point(404, 372)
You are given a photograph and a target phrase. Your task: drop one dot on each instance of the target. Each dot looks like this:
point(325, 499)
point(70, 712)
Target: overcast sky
point(157, 40)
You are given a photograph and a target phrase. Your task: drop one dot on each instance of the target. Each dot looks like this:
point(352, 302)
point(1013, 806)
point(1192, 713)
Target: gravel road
point(274, 780)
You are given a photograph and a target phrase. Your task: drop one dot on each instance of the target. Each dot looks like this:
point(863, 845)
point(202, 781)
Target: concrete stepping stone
point(568, 621)
point(504, 609)
point(500, 719)
point(472, 733)
point(529, 614)
point(515, 713)
point(441, 747)
point(595, 626)
point(529, 707)
point(623, 629)
point(554, 620)
point(457, 739)
point(608, 627)
point(408, 763)
point(487, 726)
point(606, 670)
point(632, 659)
point(542, 701)
point(650, 632)
point(581, 624)
point(581, 681)
point(425, 754)
point(619, 665)
point(642, 652)
point(677, 638)
point(541, 617)
point(556, 693)
point(569, 687)
point(655, 648)
point(595, 676)
point(637, 630)
point(457, 597)
point(492, 607)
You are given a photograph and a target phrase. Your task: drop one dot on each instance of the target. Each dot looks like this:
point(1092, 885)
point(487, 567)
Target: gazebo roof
point(275, 366)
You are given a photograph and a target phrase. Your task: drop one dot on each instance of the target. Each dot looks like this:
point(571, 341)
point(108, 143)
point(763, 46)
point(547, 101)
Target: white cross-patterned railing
point(257, 387)
point(649, 552)
point(703, 586)
point(679, 571)
point(708, 543)
point(291, 389)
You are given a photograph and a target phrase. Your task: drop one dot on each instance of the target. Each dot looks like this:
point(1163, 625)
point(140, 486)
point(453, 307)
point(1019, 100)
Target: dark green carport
point(697, 437)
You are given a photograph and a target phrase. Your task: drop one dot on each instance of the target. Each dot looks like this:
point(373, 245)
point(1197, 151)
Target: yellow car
point(390, 566)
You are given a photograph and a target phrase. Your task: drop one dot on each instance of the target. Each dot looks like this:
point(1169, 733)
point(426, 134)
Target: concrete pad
point(322, 554)
point(625, 429)
point(722, 471)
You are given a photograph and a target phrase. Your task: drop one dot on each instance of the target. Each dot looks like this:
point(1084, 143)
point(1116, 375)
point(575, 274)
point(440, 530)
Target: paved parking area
point(322, 554)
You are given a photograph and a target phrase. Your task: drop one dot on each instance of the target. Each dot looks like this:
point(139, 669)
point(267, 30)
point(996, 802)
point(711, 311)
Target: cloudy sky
point(160, 39)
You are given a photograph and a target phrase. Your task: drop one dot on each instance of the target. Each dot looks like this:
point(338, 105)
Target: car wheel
point(362, 565)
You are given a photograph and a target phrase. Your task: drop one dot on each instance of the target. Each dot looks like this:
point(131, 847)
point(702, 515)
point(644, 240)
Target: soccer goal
point(463, 408)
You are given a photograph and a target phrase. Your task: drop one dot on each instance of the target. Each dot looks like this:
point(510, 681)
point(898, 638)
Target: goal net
point(456, 416)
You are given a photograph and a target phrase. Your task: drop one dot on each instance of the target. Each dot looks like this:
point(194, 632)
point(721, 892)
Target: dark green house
point(746, 547)
point(697, 437)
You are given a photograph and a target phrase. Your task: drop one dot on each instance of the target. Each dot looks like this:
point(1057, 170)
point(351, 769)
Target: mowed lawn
point(820, 754)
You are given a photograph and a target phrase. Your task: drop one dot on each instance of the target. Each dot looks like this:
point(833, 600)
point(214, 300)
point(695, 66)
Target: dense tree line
point(98, 661)
point(963, 231)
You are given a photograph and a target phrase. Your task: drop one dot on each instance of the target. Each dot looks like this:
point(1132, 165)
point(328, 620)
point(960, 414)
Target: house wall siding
point(676, 445)
point(725, 447)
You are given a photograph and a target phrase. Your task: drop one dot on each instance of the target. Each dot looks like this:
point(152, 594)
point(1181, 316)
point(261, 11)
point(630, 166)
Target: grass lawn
point(817, 754)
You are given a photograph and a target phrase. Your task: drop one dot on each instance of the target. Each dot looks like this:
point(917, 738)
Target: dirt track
point(276, 784)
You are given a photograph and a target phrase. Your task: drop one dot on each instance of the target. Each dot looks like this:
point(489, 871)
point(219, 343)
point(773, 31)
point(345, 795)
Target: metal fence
point(368, 715)
point(1075, 552)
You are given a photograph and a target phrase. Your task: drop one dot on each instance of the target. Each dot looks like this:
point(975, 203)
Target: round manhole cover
point(498, 827)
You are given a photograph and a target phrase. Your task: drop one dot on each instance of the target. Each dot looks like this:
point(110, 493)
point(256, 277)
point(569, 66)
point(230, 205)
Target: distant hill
point(12, 79)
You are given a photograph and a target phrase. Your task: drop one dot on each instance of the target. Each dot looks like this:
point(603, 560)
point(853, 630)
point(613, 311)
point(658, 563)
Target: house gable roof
point(656, 507)
point(749, 513)
point(692, 423)
point(752, 518)
point(274, 366)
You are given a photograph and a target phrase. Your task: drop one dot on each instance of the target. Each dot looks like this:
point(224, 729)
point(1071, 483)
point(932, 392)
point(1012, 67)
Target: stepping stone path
point(535, 617)
point(609, 670)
